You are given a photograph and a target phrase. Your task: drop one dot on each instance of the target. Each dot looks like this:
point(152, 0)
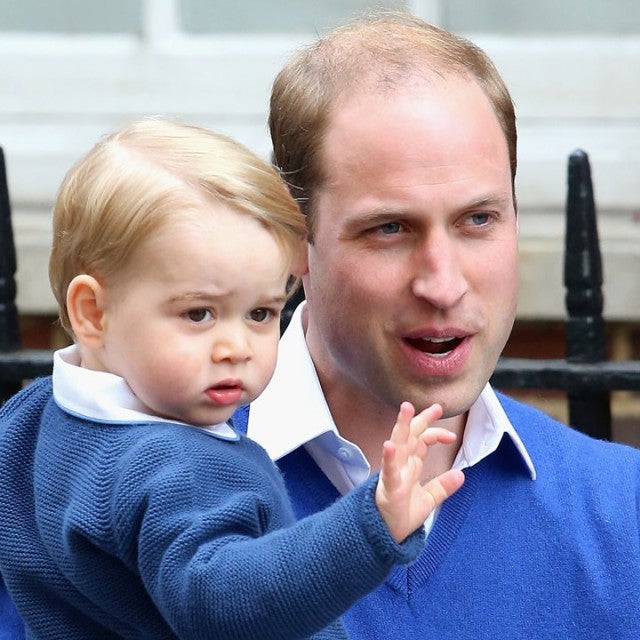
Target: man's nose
point(439, 277)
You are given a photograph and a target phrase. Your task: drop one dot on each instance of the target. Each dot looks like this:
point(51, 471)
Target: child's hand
point(402, 500)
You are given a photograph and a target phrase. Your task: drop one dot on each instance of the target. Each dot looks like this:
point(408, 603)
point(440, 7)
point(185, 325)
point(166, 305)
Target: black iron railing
point(16, 363)
point(585, 373)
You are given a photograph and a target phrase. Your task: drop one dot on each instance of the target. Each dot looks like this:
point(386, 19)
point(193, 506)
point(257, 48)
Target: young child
point(130, 506)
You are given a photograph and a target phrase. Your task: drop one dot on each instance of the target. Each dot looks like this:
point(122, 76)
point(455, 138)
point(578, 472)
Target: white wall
point(58, 94)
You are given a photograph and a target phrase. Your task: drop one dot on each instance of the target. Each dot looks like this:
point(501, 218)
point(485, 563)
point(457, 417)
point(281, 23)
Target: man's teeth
point(435, 346)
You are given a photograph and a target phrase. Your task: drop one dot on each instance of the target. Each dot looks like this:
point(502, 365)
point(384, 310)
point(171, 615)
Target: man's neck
point(369, 425)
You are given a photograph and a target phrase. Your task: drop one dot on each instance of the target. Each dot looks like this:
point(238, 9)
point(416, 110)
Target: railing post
point(585, 332)
point(9, 331)
point(290, 307)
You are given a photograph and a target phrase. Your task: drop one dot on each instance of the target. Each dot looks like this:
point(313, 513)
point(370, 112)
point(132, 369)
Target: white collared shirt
point(104, 397)
point(293, 412)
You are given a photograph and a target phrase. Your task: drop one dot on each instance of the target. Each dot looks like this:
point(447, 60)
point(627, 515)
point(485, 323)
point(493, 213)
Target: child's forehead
point(232, 224)
point(214, 240)
point(213, 212)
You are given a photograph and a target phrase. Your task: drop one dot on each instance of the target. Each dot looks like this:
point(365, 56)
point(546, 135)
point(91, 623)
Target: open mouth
point(435, 346)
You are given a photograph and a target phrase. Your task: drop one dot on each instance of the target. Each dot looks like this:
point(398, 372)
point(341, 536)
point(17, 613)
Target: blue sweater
point(164, 531)
point(511, 558)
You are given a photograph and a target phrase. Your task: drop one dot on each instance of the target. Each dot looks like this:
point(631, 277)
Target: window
point(73, 69)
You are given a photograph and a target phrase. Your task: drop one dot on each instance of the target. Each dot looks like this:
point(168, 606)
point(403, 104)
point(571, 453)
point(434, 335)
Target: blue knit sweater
point(164, 531)
point(511, 558)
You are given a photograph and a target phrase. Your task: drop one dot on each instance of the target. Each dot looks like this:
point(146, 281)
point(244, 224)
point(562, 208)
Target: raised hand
point(403, 501)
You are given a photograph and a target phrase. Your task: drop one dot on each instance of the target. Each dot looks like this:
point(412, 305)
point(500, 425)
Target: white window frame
point(58, 94)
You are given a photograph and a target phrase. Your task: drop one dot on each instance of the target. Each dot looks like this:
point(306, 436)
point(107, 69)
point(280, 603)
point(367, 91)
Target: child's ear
point(85, 306)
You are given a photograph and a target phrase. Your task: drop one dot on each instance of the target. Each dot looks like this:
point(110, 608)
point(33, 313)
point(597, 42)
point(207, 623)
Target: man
point(399, 141)
point(11, 627)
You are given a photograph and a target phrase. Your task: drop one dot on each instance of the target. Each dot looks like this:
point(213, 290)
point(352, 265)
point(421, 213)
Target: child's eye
point(199, 315)
point(262, 314)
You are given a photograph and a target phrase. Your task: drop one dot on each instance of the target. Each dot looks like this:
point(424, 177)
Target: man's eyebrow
point(499, 200)
point(385, 214)
point(375, 217)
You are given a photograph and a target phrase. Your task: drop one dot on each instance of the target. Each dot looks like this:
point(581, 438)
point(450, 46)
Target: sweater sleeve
point(221, 556)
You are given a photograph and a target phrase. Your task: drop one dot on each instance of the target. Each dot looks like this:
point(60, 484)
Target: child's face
point(194, 325)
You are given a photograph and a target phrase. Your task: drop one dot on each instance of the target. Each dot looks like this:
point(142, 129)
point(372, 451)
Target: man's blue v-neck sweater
point(556, 558)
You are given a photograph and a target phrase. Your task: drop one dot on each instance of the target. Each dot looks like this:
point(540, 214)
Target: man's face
point(413, 273)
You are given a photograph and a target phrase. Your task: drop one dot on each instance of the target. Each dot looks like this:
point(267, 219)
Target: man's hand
point(402, 500)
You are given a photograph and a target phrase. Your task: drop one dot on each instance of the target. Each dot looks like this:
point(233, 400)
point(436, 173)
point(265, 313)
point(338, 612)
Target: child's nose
point(231, 344)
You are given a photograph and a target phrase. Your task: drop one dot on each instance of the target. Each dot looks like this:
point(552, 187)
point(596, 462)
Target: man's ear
point(85, 306)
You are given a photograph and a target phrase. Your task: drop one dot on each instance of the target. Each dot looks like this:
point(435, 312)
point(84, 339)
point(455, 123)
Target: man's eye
point(199, 315)
point(478, 219)
point(390, 228)
point(261, 314)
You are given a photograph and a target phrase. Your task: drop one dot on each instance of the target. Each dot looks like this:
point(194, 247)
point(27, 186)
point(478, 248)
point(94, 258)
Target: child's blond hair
point(138, 176)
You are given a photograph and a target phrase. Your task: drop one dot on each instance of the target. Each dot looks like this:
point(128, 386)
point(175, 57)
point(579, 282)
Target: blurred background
point(70, 70)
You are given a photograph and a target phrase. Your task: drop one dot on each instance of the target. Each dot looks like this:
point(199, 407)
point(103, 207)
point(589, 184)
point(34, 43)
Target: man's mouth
point(438, 347)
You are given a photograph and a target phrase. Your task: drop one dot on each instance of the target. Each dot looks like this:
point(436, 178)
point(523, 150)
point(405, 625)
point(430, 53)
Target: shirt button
point(344, 453)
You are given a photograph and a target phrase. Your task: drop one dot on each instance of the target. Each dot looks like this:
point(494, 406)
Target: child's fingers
point(401, 430)
point(434, 435)
point(401, 433)
point(425, 418)
point(444, 485)
point(408, 444)
point(390, 474)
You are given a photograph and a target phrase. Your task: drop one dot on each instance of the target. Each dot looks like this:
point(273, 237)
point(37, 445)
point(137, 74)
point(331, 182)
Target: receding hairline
point(346, 52)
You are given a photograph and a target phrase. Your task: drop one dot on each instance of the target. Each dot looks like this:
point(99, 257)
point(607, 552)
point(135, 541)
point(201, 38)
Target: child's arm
point(214, 560)
point(403, 501)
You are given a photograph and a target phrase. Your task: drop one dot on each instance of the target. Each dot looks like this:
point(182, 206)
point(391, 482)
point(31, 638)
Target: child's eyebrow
point(276, 299)
point(195, 295)
point(200, 296)
point(280, 299)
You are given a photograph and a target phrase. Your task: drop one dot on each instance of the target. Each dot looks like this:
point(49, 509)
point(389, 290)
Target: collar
point(281, 425)
point(299, 421)
point(487, 424)
point(105, 397)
